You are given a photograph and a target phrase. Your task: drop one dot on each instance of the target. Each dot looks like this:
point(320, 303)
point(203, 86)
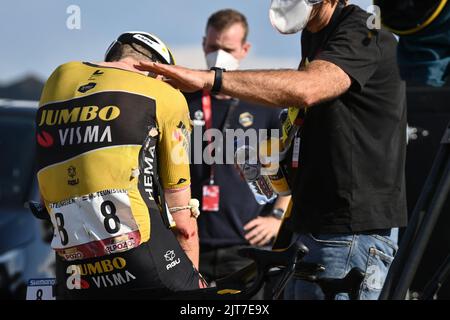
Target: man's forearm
point(186, 225)
point(318, 82)
point(268, 87)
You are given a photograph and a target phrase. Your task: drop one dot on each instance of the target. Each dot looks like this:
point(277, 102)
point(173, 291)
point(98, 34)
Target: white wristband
point(193, 205)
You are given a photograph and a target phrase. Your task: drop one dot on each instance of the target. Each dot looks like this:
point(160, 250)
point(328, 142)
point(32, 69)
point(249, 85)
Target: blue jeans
point(339, 253)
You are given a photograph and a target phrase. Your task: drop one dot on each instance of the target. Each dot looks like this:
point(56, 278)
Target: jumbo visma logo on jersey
point(69, 128)
point(69, 135)
point(78, 114)
point(101, 274)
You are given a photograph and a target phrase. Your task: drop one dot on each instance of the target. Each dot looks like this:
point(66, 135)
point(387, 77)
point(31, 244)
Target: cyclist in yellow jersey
point(112, 146)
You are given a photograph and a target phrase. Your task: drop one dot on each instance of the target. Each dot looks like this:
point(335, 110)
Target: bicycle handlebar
point(245, 283)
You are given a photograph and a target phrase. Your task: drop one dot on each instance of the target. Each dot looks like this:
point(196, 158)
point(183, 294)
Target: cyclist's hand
point(261, 230)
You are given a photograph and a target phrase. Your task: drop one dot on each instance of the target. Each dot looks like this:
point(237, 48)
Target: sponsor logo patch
point(45, 139)
point(121, 244)
point(198, 118)
point(113, 279)
point(102, 266)
point(78, 114)
point(170, 256)
point(85, 88)
point(96, 74)
point(72, 173)
point(246, 119)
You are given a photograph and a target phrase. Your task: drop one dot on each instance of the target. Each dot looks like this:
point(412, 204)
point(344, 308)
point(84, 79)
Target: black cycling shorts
point(156, 269)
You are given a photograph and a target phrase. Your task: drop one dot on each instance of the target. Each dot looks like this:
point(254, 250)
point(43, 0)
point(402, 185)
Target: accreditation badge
point(210, 200)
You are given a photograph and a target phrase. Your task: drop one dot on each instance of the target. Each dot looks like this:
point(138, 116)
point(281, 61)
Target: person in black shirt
point(236, 220)
point(348, 189)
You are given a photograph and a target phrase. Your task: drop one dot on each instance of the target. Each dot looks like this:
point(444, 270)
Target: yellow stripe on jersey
point(91, 172)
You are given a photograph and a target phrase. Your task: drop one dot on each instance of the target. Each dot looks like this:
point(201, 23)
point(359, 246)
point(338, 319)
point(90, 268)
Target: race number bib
point(40, 289)
point(94, 225)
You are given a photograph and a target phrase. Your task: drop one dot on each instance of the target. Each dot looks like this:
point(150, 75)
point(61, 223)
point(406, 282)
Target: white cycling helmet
point(145, 39)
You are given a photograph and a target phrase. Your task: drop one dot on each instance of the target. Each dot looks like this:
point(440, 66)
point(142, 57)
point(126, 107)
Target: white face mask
point(290, 16)
point(221, 59)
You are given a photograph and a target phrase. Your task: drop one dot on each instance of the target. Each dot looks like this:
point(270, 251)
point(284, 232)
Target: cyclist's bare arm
point(175, 127)
point(186, 229)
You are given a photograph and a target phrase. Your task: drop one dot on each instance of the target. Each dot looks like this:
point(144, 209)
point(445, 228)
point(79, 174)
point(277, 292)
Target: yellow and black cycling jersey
point(106, 137)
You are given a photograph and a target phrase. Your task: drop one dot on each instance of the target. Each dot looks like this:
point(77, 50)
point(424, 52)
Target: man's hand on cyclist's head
point(181, 78)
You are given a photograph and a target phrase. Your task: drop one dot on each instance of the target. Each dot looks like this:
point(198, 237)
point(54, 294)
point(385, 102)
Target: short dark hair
point(223, 19)
point(344, 2)
point(134, 50)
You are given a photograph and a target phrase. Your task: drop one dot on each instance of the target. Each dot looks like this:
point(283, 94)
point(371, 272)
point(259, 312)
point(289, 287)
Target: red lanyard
point(207, 111)
point(207, 115)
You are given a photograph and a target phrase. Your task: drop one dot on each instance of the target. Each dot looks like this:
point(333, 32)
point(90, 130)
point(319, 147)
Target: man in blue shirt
point(424, 44)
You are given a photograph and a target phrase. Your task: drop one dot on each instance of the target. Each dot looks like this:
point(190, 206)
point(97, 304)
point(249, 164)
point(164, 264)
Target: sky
point(36, 38)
